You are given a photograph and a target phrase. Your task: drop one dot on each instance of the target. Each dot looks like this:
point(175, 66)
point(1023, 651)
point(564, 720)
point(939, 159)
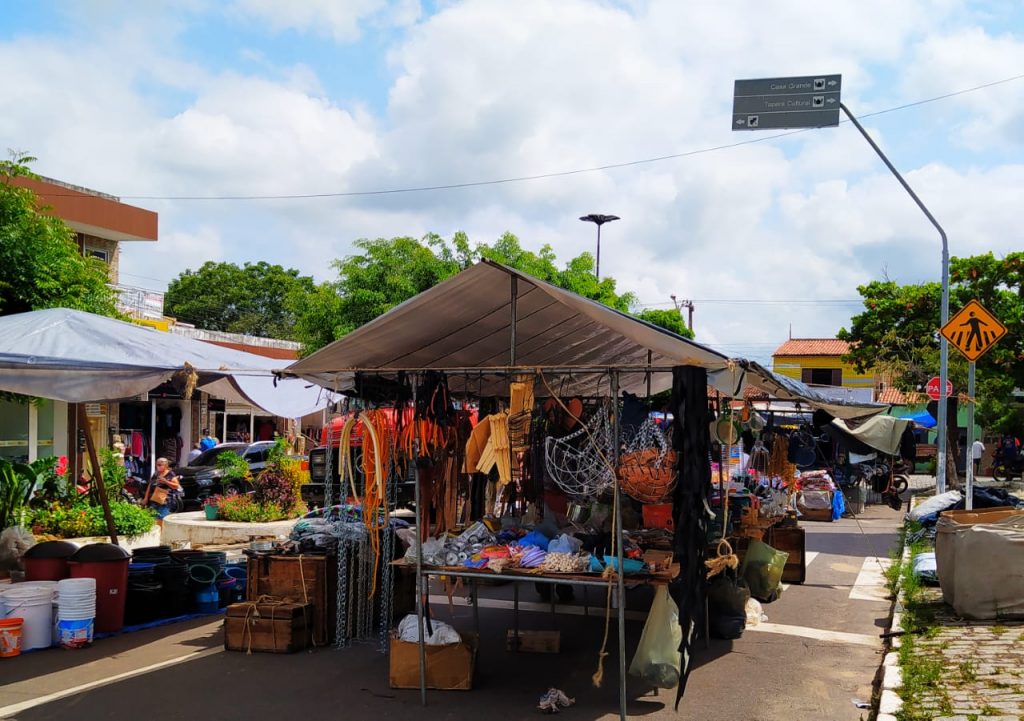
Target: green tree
point(388, 271)
point(41, 265)
point(897, 333)
point(256, 299)
point(670, 319)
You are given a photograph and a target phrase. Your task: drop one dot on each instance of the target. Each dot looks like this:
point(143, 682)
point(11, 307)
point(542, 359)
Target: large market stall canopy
point(74, 356)
point(493, 318)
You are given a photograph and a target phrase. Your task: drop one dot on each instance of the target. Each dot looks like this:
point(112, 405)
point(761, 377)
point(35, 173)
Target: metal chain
point(341, 615)
point(329, 466)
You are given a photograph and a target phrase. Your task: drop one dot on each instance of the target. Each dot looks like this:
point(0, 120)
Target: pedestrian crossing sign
point(973, 330)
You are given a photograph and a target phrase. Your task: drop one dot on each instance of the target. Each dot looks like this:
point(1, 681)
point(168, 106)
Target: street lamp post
point(598, 220)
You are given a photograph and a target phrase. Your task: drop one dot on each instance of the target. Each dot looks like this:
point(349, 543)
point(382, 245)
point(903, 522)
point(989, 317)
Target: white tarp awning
point(464, 326)
point(74, 356)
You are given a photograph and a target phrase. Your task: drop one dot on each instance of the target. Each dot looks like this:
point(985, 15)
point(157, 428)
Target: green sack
point(762, 570)
point(658, 660)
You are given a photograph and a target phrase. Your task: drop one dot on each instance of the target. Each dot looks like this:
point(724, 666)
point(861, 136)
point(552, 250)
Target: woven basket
point(648, 475)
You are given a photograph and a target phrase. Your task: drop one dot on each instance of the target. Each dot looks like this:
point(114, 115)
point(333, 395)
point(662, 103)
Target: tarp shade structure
point(921, 418)
point(789, 389)
point(77, 357)
point(881, 433)
point(465, 326)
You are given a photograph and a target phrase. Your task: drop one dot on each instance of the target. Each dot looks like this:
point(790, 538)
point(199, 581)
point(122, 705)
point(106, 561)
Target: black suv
point(202, 478)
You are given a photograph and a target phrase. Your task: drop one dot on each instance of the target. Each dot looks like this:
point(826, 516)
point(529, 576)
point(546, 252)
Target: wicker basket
point(648, 475)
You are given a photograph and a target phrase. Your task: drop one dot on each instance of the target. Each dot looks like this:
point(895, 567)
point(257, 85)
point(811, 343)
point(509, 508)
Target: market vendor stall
point(470, 340)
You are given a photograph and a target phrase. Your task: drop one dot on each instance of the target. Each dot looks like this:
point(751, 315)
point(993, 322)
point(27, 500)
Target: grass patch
point(924, 670)
point(986, 710)
point(999, 630)
point(968, 672)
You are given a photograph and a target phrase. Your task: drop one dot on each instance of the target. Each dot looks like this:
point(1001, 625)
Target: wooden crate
point(267, 628)
point(533, 641)
point(448, 668)
point(792, 541)
point(300, 579)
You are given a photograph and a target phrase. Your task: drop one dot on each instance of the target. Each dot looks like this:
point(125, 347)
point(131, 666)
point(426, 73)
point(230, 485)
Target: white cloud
point(485, 90)
point(339, 20)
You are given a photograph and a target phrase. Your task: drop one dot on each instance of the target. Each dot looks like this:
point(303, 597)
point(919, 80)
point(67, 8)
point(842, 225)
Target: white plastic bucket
point(76, 601)
point(75, 633)
point(34, 604)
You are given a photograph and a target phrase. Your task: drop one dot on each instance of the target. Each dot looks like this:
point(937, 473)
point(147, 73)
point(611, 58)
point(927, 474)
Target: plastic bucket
point(34, 605)
point(75, 633)
point(76, 600)
point(207, 599)
point(10, 637)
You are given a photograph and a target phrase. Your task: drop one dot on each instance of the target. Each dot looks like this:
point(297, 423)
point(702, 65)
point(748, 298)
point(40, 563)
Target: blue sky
point(255, 97)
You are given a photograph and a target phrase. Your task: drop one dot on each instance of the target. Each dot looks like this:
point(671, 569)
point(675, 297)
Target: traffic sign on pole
point(811, 101)
point(973, 330)
point(933, 386)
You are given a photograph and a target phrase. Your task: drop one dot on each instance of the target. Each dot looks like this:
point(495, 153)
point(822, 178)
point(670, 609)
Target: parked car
point(202, 477)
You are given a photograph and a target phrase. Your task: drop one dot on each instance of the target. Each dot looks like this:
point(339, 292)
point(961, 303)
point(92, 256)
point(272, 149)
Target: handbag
point(159, 495)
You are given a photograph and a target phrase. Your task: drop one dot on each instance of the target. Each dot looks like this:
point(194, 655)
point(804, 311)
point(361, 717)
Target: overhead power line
point(555, 174)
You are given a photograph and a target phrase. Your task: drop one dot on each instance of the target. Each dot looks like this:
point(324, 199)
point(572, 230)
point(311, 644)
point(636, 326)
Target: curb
point(890, 702)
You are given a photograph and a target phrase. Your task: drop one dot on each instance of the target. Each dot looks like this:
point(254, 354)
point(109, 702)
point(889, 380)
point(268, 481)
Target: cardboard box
point(449, 668)
point(533, 641)
point(270, 628)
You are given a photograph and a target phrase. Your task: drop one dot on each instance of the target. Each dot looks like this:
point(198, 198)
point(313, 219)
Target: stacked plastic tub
point(76, 612)
point(107, 564)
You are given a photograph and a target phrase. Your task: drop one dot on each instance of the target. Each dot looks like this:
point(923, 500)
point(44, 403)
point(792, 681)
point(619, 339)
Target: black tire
point(1000, 473)
point(900, 484)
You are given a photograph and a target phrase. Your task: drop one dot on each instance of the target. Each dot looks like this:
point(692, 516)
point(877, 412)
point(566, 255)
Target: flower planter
point(211, 512)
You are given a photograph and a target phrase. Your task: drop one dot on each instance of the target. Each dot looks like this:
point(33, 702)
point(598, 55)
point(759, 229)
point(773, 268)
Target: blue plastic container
point(207, 598)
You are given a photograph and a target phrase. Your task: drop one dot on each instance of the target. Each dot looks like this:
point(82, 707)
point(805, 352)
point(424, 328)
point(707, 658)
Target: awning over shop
point(491, 317)
point(881, 433)
point(74, 356)
point(921, 418)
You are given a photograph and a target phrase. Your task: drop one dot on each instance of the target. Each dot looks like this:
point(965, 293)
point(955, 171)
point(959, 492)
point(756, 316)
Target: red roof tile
point(892, 396)
point(813, 346)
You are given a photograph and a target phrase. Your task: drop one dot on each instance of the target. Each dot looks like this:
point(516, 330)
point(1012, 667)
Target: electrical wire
point(555, 174)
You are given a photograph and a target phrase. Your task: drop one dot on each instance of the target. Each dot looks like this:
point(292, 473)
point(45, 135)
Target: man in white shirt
point(977, 451)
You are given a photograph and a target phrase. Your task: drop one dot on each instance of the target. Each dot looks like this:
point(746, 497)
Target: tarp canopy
point(881, 433)
point(470, 323)
point(921, 418)
point(74, 356)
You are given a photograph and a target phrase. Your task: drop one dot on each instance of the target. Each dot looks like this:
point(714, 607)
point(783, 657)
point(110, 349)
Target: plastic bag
point(762, 570)
point(565, 544)
point(443, 634)
point(727, 600)
point(658, 660)
point(755, 614)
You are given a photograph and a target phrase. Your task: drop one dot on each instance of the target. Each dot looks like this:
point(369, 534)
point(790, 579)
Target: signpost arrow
point(810, 101)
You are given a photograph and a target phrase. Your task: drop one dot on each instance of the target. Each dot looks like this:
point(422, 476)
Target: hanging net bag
point(578, 463)
point(647, 470)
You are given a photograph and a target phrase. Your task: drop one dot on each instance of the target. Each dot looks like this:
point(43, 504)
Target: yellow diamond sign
point(973, 330)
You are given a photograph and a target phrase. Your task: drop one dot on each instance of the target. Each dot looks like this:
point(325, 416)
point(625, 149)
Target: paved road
point(818, 650)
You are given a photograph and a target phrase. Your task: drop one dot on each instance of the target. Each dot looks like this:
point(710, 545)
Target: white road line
point(597, 606)
point(871, 584)
point(857, 639)
point(808, 557)
point(16, 708)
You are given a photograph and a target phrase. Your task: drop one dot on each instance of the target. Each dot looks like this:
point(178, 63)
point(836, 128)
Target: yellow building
point(819, 362)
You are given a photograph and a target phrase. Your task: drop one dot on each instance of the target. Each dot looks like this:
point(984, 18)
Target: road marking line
point(596, 609)
point(858, 639)
point(808, 557)
point(74, 690)
point(871, 584)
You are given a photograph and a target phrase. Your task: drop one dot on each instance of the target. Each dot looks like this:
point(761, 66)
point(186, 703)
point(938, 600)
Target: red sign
point(932, 389)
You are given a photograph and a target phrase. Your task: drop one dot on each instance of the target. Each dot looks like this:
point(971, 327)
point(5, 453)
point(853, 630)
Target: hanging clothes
point(136, 445)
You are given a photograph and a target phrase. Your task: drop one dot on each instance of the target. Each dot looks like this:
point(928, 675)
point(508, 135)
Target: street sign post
point(775, 103)
point(972, 331)
point(933, 386)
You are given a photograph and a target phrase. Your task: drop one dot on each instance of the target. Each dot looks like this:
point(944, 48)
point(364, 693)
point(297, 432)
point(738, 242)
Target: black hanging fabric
point(691, 441)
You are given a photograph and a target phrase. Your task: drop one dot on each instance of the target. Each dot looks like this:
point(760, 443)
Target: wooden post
point(97, 473)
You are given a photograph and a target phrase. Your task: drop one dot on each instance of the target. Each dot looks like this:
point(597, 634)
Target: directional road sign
point(973, 330)
point(933, 385)
point(805, 102)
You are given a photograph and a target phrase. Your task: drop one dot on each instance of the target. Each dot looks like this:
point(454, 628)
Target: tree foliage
point(41, 265)
point(255, 299)
point(387, 271)
point(897, 333)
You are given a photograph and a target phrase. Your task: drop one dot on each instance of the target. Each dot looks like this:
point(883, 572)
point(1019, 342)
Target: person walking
point(977, 451)
point(207, 441)
point(197, 450)
point(163, 490)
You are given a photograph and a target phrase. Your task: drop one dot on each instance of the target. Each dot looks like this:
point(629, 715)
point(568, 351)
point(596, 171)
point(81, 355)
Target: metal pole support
point(940, 473)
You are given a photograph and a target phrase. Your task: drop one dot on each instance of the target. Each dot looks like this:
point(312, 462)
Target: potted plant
point(211, 506)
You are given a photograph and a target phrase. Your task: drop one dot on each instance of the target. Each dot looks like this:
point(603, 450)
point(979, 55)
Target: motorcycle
point(1004, 472)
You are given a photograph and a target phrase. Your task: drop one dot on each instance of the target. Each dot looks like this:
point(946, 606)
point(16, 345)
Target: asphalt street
point(817, 653)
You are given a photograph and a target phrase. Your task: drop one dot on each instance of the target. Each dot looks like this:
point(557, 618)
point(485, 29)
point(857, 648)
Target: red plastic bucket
point(10, 637)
